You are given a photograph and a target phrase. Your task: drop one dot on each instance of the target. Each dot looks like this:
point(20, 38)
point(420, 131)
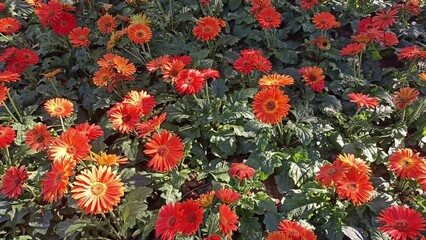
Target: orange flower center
point(401, 225)
point(163, 151)
point(353, 186)
point(207, 29)
point(71, 149)
point(82, 38)
point(107, 24)
point(59, 109)
point(9, 27)
point(192, 217)
point(407, 162)
point(98, 188)
point(171, 222)
point(39, 138)
point(268, 19)
point(270, 106)
point(140, 34)
point(331, 171)
point(189, 80)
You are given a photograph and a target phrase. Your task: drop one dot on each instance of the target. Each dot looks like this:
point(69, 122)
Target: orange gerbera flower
point(141, 100)
point(9, 25)
point(123, 66)
point(59, 107)
point(405, 97)
point(157, 63)
point(385, 19)
point(65, 24)
point(356, 187)
point(388, 39)
point(296, 231)
point(258, 5)
point(51, 74)
point(4, 90)
point(227, 195)
point(406, 164)
point(210, 73)
point(308, 4)
point(56, 182)
point(325, 21)
point(107, 60)
point(145, 128)
point(268, 18)
point(423, 76)
point(275, 80)
point(410, 53)
point(354, 163)
point(206, 199)
point(215, 236)
point(241, 171)
point(313, 77)
point(92, 131)
point(71, 145)
point(98, 190)
point(363, 100)
point(173, 69)
point(167, 223)
point(106, 23)
point(329, 174)
point(352, 49)
point(228, 220)
point(38, 138)
point(208, 28)
point(321, 42)
point(401, 222)
point(190, 81)
point(8, 76)
point(166, 151)
point(139, 33)
point(108, 159)
point(190, 217)
point(79, 37)
point(49, 13)
point(12, 181)
point(7, 136)
point(124, 117)
point(271, 105)
point(278, 235)
point(102, 77)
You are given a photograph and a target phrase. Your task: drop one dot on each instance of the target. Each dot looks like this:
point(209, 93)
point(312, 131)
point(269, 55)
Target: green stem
point(62, 124)
point(31, 190)
point(207, 92)
point(359, 65)
point(114, 230)
point(280, 132)
point(417, 112)
point(403, 115)
point(10, 113)
point(54, 88)
point(268, 40)
point(160, 6)
point(14, 106)
point(7, 155)
point(171, 11)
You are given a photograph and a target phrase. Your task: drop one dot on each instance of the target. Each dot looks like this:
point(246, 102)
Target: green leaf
point(41, 221)
point(66, 228)
point(135, 206)
point(130, 148)
point(271, 221)
point(354, 233)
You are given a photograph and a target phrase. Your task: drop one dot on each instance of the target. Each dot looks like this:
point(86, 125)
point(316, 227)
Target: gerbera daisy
point(422, 76)
point(56, 182)
point(7, 136)
point(261, 63)
point(308, 4)
point(145, 128)
point(329, 174)
point(313, 77)
point(98, 190)
point(354, 163)
point(79, 37)
point(227, 195)
point(208, 28)
point(410, 53)
point(363, 100)
point(186, 59)
point(9, 25)
point(405, 97)
point(4, 90)
point(65, 24)
point(213, 237)
point(7, 54)
point(92, 131)
point(123, 66)
point(12, 181)
point(206, 199)
point(190, 217)
point(278, 235)
point(406, 164)
point(107, 60)
point(365, 24)
point(325, 21)
point(385, 19)
point(166, 151)
point(241, 171)
point(124, 117)
point(268, 18)
point(114, 38)
point(361, 38)
point(210, 73)
point(167, 223)
point(388, 39)
point(157, 63)
point(356, 187)
point(270, 105)
point(38, 138)
point(275, 80)
point(173, 69)
point(71, 145)
point(352, 49)
point(108, 159)
point(27, 56)
point(401, 223)
point(15, 66)
point(7, 76)
point(2, 7)
point(139, 33)
point(59, 107)
point(49, 13)
point(141, 100)
point(259, 5)
point(228, 220)
point(102, 77)
point(321, 42)
point(296, 231)
point(106, 23)
point(190, 81)
point(244, 64)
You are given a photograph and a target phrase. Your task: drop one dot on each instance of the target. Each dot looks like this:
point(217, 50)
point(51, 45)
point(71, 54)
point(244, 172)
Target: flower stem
point(109, 223)
point(160, 6)
point(54, 88)
point(207, 92)
point(10, 113)
point(62, 124)
point(14, 106)
point(7, 155)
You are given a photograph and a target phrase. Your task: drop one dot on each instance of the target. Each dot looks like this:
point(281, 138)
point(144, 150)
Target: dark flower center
point(126, 118)
point(270, 106)
point(189, 80)
point(171, 222)
point(71, 149)
point(163, 151)
point(192, 217)
point(140, 34)
point(353, 186)
point(401, 225)
point(39, 138)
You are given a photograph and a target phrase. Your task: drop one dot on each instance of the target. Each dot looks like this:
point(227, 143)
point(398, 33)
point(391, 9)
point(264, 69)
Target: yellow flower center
point(98, 188)
point(407, 162)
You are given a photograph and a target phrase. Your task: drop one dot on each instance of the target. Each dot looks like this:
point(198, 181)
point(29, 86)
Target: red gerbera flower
point(49, 13)
point(38, 138)
point(79, 37)
point(7, 76)
point(410, 53)
point(190, 217)
point(352, 49)
point(12, 181)
point(228, 220)
point(241, 171)
point(173, 69)
point(405, 97)
point(102, 77)
point(106, 23)
point(71, 145)
point(27, 56)
point(268, 18)
point(406, 164)
point(313, 77)
point(388, 39)
point(157, 63)
point(4, 90)
point(354, 163)
point(124, 117)
point(9, 25)
point(363, 100)
point(208, 28)
point(261, 63)
point(244, 64)
point(92, 131)
point(210, 73)
point(7, 54)
point(365, 24)
point(356, 187)
point(259, 5)
point(65, 24)
point(401, 223)
point(184, 58)
point(7, 136)
point(296, 231)
point(308, 4)
point(107, 60)
point(227, 195)
point(145, 128)
point(190, 81)
point(385, 19)
point(329, 174)
point(141, 100)
point(15, 66)
point(166, 151)
point(325, 21)
point(56, 182)
point(167, 223)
